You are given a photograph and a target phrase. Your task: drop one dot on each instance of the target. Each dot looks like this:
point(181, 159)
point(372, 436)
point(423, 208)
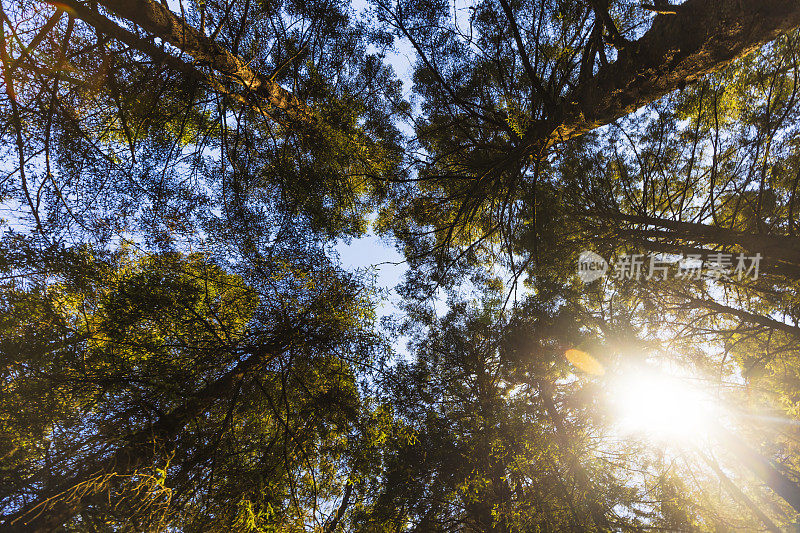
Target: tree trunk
point(582, 479)
point(781, 248)
point(164, 24)
point(678, 49)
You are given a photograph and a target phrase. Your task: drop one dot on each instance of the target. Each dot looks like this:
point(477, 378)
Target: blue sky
point(370, 252)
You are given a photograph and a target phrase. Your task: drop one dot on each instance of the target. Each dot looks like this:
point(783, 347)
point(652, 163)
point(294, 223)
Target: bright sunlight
point(662, 406)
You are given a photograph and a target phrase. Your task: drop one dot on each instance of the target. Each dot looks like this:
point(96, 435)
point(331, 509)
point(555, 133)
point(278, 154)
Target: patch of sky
point(386, 265)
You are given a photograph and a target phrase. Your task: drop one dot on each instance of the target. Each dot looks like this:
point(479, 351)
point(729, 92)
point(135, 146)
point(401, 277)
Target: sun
point(662, 406)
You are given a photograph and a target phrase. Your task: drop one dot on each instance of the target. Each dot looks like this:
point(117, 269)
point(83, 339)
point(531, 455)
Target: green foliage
point(180, 352)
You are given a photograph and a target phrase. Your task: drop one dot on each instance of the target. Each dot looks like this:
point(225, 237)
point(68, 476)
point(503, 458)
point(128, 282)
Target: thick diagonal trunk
point(160, 22)
point(704, 36)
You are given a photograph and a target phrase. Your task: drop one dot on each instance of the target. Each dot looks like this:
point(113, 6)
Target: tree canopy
point(598, 328)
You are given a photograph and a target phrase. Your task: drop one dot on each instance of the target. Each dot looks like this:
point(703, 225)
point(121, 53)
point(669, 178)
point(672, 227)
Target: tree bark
point(704, 36)
point(782, 248)
point(159, 21)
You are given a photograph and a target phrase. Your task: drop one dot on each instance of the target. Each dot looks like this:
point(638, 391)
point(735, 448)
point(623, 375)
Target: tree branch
point(537, 83)
point(108, 27)
point(51, 511)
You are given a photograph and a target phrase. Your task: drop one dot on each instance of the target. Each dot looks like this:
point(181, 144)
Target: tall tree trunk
point(678, 49)
point(737, 493)
point(159, 21)
point(762, 467)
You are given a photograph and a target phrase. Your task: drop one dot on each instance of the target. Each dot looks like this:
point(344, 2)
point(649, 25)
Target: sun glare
point(662, 406)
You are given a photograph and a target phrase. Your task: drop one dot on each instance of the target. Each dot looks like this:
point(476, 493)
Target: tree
point(161, 387)
point(510, 436)
point(499, 97)
point(154, 390)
